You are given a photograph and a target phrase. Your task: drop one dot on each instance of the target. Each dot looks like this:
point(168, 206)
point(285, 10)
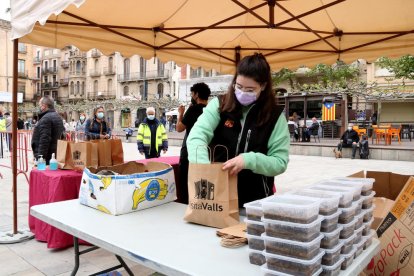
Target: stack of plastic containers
point(255, 228)
point(292, 235)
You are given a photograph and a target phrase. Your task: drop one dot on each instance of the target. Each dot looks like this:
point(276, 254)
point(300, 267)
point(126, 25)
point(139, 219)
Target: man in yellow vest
point(2, 122)
point(152, 137)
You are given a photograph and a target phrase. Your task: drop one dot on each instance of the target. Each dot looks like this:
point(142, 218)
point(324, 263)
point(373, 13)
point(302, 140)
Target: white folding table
point(159, 239)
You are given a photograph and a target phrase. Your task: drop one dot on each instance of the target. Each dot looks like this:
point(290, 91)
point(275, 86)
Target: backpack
point(364, 149)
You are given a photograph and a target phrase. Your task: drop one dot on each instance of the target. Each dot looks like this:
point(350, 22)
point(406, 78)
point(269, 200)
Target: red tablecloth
point(52, 186)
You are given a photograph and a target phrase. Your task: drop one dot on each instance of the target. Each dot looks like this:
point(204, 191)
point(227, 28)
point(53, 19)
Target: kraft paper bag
point(63, 155)
point(104, 152)
point(117, 152)
point(213, 199)
point(77, 156)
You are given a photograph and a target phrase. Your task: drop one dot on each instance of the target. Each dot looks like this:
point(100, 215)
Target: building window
point(141, 92)
point(127, 67)
point(54, 94)
point(21, 66)
point(78, 67)
point(195, 73)
point(142, 67)
point(160, 91)
point(160, 68)
point(72, 88)
point(109, 86)
point(95, 86)
point(77, 88)
point(38, 72)
point(110, 64)
point(21, 48)
point(126, 90)
point(46, 65)
point(54, 65)
point(83, 88)
point(96, 65)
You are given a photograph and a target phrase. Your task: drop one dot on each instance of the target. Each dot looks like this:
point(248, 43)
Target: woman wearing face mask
point(80, 125)
point(96, 127)
point(249, 123)
point(151, 137)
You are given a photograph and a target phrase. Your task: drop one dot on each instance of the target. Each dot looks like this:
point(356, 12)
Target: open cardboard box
point(394, 222)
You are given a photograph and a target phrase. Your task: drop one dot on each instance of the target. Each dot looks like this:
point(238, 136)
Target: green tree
point(402, 68)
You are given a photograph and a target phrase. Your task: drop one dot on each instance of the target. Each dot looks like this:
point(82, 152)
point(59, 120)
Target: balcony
point(77, 74)
point(95, 53)
point(64, 82)
point(55, 85)
point(46, 85)
point(141, 76)
point(106, 94)
point(36, 96)
point(64, 64)
point(109, 71)
point(22, 75)
point(77, 54)
point(36, 78)
point(51, 55)
point(49, 70)
point(36, 60)
point(94, 73)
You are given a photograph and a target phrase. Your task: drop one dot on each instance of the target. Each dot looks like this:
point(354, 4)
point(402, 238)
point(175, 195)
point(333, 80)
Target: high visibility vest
point(144, 135)
point(2, 124)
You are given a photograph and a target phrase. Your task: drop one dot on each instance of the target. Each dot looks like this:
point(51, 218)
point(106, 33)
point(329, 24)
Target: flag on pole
point(328, 111)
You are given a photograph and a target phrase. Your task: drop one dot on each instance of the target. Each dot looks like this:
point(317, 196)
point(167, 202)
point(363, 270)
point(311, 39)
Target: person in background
point(9, 124)
point(374, 118)
point(349, 139)
point(129, 131)
point(199, 97)
point(151, 137)
point(170, 123)
point(96, 127)
point(20, 123)
point(163, 120)
point(81, 124)
point(291, 122)
point(47, 131)
point(248, 122)
point(72, 125)
point(66, 125)
point(314, 127)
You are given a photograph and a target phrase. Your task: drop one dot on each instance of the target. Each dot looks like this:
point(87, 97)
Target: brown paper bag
point(63, 155)
point(213, 199)
point(77, 156)
point(104, 152)
point(117, 152)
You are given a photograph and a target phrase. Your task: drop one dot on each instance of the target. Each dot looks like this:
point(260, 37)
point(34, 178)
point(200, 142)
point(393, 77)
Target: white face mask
point(349, 128)
point(151, 117)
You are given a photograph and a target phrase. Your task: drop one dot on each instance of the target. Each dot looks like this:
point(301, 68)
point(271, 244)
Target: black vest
point(248, 138)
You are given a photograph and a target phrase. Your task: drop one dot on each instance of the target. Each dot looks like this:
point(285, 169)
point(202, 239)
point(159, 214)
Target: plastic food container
point(254, 227)
point(368, 239)
point(291, 208)
point(358, 210)
point(332, 255)
point(255, 242)
point(294, 249)
point(368, 214)
point(359, 247)
point(367, 227)
point(347, 230)
point(330, 240)
point(329, 200)
point(330, 223)
point(254, 210)
point(294, 266)
point(293, 231)
point(347, 214)
point(347, 244)
point(268, 272)
point(367, 183)
point(348, 259)
point(346, 195)
point(360, 221)
point(368, 200)
point(358, 235)
point(256, 257)
point(332, 270)
point(356, 189)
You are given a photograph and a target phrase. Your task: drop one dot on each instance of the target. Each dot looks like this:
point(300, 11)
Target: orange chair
point(360, 131)
point(380, 133)
point(394, 133)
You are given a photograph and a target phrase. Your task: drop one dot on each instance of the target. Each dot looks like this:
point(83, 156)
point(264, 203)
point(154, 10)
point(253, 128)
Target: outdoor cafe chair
point(380, 132)
point(394, 132)
point(291, 131)
point(360, 131)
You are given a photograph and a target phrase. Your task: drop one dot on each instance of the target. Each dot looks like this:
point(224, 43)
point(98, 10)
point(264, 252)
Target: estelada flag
point(328, 112)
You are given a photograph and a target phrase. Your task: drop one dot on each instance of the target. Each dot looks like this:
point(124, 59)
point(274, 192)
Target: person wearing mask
point(96, 127)
point(312, 129)
point(349, 139)
point(199, 97)
point(47, 131)
point(248, 122)
point(9, 124)
point(295, 128)
point(80, 125)
point(151, 137)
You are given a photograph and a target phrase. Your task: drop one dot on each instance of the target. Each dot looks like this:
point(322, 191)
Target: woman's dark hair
point(256, 68)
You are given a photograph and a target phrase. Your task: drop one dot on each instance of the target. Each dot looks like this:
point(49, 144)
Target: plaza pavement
point(33, 257)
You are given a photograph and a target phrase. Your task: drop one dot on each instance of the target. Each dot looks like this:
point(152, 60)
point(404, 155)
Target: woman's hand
point(234, 165)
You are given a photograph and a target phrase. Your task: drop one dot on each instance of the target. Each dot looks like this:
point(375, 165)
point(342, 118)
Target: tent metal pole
point(14, 133)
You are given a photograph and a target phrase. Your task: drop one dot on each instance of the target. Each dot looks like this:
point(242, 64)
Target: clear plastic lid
point(329, 200)
point(267, 271)
point(334, 249)
point(293, 224)
point(348, 240)
point(334, 266)
point(356, 188)
point(248, 221)
point(346, 194)
point(350, 254)
point(292, 242)
point(296, 260)
point(334, 232)
point(367, 183)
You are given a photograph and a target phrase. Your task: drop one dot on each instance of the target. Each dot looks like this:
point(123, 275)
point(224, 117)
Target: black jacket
point(46, 133)
point(238, 139)
point(93, 129)
point(350, 135)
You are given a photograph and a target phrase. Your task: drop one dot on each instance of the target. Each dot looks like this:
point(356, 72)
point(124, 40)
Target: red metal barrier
point(22, 148)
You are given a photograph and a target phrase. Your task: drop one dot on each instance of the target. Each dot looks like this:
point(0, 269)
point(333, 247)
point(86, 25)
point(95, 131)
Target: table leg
point(76, 249)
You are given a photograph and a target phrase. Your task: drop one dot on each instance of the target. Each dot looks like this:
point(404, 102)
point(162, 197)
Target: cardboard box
point(396, 231)
point(137, 187)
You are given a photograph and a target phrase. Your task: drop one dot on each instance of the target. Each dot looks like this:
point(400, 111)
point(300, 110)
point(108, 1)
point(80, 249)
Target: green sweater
point(271, 164)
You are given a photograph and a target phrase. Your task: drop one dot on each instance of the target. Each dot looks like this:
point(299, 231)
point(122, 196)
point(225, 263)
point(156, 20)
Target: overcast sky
point(4, 4)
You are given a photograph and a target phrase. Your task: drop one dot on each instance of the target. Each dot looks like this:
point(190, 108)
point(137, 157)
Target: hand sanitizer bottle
point(53, 164)
point(41, 164)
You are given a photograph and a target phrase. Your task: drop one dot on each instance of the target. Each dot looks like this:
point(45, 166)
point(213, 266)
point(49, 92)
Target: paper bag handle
point(208, 148)
point(214, 151)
